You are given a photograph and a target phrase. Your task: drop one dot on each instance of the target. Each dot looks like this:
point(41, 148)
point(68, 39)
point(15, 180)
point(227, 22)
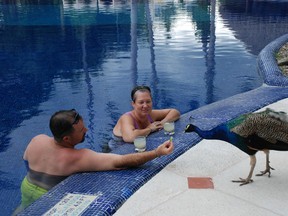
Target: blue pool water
point(62, 55)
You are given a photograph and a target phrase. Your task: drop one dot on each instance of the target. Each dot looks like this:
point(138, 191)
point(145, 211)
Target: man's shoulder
point(40, 137)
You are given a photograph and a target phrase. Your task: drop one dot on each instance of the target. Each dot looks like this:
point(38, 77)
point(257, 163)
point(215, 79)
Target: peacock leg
point(268, 167)
point(248, 179)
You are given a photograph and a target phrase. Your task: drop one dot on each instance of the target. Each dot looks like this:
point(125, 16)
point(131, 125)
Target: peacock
point(252, 132)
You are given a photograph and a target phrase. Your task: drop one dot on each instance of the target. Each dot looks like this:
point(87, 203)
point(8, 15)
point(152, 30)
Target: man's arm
point(93, 161)
point(138, 159)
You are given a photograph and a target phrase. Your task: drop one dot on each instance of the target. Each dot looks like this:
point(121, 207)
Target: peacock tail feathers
point(282, 116)
point(269, 125)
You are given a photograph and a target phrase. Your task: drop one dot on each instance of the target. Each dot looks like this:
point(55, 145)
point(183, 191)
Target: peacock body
point(252, 132)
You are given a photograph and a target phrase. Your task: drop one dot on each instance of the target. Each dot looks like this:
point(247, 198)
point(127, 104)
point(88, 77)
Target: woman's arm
point(129, 132)
point(165, 115)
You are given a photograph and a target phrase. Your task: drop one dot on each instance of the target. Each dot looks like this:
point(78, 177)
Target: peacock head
point(189, 128)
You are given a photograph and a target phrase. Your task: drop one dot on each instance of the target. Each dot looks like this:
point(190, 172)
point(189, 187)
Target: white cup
point(140, 143)
point(169, 128)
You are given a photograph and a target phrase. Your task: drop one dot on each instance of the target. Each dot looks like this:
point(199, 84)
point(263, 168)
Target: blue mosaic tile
point(267, 64)
point(115, 187)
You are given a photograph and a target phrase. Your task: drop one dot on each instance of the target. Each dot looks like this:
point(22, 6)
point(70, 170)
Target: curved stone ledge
point(267, 64)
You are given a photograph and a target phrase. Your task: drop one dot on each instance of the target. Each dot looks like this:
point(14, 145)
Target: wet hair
point(141, 89)
point(61, 123)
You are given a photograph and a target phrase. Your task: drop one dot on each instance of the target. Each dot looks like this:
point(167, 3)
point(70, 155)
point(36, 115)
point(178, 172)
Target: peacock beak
point(189, 128)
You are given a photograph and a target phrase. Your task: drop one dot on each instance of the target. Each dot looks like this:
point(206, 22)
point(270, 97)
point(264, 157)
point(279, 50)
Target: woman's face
point(142, 103)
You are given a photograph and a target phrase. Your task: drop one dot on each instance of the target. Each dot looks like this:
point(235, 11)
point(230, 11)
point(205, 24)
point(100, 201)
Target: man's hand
point(165, 148)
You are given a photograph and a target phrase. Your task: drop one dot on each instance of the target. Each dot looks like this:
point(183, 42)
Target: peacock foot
point(243, 181)
point(268, 170)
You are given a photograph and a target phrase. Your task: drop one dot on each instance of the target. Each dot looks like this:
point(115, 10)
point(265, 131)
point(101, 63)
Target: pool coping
point(113, 188)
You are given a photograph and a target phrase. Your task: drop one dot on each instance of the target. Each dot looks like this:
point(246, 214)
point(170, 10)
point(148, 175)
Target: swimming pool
point(88, 56)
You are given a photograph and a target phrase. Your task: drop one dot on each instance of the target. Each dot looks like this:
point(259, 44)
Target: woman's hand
point(155, 126)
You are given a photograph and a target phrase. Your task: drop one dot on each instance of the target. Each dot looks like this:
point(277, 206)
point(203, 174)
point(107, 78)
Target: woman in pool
point(142, 120)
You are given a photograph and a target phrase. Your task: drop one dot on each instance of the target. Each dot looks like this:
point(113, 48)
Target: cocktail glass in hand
point(140, 143)
point(169, 128)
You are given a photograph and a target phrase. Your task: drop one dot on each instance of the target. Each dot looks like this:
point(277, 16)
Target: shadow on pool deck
point(115, 187)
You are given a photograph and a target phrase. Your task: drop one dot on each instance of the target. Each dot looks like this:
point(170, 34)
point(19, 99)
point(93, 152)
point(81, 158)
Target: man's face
point(79, 132)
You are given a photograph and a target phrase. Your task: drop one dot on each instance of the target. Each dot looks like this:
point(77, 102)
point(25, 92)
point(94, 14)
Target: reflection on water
point(89, 54)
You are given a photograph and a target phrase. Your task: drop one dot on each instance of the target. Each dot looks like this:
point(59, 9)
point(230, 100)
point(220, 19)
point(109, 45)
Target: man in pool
point(50, 160)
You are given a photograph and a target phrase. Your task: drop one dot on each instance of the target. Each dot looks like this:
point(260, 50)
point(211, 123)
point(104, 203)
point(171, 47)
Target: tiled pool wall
point(113, 188)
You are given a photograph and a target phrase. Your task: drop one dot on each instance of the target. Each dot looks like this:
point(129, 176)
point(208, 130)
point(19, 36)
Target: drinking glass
point(140, 143)
point(169, 128)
